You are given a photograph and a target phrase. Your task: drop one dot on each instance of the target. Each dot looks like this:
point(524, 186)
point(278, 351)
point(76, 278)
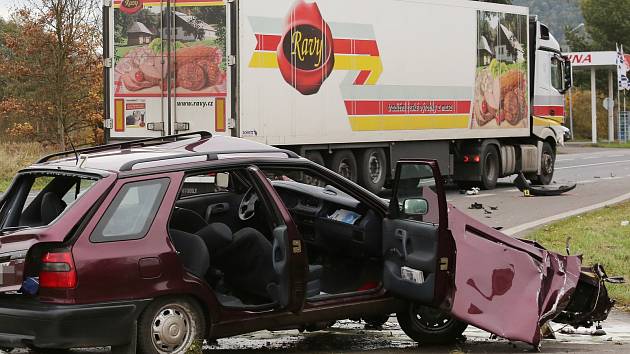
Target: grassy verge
point(613, 145)
point(13, 157)
point(601, 237)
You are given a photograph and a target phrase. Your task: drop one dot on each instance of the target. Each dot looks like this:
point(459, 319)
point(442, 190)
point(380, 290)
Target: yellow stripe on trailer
point(426, 122)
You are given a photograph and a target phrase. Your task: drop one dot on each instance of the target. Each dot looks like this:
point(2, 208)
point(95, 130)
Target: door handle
point(402, 235)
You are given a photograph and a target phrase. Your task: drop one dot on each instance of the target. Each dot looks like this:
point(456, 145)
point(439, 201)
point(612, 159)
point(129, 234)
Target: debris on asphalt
point(477, 206)
point(539, 190)
point(494, 208)
point(473, 191)
point(487, 211)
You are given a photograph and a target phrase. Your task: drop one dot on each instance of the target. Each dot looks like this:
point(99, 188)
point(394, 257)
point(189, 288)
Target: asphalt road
point(601, 174)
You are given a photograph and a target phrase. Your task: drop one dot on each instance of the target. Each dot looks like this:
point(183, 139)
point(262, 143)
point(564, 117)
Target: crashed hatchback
point(154, 244)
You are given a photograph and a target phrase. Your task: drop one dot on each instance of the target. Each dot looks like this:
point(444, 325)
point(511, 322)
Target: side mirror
point(415, 207)
point(568, 74)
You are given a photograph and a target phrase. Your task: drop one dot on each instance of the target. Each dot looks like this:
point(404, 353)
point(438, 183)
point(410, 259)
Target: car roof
point(154, 154)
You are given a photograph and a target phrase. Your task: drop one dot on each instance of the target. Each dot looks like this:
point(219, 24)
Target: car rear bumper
point(26, 322)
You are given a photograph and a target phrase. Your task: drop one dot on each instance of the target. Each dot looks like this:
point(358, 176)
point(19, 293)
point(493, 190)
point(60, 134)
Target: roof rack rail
point(210, 156)
point(127, 144)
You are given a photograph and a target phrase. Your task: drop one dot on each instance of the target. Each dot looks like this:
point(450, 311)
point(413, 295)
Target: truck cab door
point(418, 250)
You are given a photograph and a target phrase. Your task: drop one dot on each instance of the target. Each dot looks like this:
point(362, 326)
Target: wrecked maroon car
point(154, 244)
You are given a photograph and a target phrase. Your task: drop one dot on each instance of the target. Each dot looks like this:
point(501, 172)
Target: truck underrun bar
point(210, 156)
point(127, 144)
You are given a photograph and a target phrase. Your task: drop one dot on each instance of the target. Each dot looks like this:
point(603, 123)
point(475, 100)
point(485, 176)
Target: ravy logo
point(131, 6)
point(305, 53)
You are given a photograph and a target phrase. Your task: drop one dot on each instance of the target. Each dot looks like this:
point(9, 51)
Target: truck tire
point(373, 169)
point(547, 165)
point(344, 163)
point(316, 157)
point(185, 321)
point(490, 167)
point(428, 325)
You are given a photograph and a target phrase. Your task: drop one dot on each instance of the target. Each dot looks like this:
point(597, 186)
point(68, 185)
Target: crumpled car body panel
point(504, 285)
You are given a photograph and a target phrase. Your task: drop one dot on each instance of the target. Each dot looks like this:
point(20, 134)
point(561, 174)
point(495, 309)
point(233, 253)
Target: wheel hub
point(171, 329)
point(547, 164)
point(375, 170)
point(344, 169)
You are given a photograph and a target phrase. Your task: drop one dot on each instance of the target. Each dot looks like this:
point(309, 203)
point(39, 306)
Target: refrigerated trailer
point(354, 85)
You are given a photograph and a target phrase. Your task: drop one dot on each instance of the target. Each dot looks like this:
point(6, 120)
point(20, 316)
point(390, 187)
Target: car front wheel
point(428, 325)
point(170, 325)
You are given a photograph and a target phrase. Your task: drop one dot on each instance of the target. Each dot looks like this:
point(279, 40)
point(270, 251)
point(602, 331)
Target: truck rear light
point(477, 159)
point(58, 271)
point(466, 159)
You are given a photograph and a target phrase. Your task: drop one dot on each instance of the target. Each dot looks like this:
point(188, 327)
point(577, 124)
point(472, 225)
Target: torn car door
point(417, 247)
point(506, 286)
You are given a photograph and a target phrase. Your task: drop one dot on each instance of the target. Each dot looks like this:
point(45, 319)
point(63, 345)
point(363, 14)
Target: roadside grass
point(13, 157)
point(613, 145)
point(601, 238)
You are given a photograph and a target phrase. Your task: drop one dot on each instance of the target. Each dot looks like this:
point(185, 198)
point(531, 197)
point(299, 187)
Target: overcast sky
point(7, 5)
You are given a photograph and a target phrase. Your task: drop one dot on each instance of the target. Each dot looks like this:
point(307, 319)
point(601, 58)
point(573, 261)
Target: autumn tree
point(54, 76)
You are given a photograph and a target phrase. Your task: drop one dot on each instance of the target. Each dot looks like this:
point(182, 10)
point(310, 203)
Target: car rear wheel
point(170, 325)
point(344, 163)
point(428, 325)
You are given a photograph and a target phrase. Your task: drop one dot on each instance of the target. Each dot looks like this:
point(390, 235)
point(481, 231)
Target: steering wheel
point(247, 208)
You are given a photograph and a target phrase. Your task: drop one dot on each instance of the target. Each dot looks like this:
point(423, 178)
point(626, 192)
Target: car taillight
point(58, 270)
point(466, 159)
point(477, 159)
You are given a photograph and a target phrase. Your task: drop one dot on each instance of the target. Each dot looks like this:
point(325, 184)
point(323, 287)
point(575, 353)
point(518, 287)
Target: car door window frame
point(96, 236)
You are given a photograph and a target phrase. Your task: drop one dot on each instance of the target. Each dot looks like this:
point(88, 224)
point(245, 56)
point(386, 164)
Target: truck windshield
point(38, 199)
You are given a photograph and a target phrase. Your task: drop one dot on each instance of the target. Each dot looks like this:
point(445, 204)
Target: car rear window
point(38, 199)
point(132, 211)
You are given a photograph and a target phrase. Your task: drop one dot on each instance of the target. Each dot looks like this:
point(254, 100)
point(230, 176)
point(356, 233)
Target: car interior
point(39, 199)
point(241, 237)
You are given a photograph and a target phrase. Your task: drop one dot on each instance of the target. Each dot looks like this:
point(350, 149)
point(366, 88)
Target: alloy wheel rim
point(430, 319)
point(171, 331)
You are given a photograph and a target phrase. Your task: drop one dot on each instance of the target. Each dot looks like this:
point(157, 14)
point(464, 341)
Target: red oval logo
point(130, 7)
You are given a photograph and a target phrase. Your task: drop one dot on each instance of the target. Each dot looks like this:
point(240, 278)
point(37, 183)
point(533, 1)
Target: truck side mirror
point(568, 73)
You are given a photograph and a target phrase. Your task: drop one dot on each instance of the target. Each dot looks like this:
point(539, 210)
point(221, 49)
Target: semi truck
point(353, 85)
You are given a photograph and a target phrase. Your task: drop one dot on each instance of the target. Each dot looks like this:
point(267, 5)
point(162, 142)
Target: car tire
point(316, 157)
point(547, 166)
point(373, 169)
point(344, 163)
point(490, 167)
point(180, 313)
point(427, 325)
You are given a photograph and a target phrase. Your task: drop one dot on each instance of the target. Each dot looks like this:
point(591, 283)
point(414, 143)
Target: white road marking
point(539, 222)
point(591, 157)
point(587, 181)
point(480, 195)
point(616, 156)
point(592, 164)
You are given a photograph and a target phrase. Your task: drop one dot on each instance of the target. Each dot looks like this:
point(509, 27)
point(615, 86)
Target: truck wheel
point(316, 157)
point(489, 167)
point(547, 164)
point(170, 325)
point(428, 325)
point(373, 169)
point(344, 163)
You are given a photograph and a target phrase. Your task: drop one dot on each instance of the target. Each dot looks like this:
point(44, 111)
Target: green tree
point(606, 23)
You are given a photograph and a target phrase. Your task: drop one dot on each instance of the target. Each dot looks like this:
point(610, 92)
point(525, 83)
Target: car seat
point(51, 207)
point(192, 251)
